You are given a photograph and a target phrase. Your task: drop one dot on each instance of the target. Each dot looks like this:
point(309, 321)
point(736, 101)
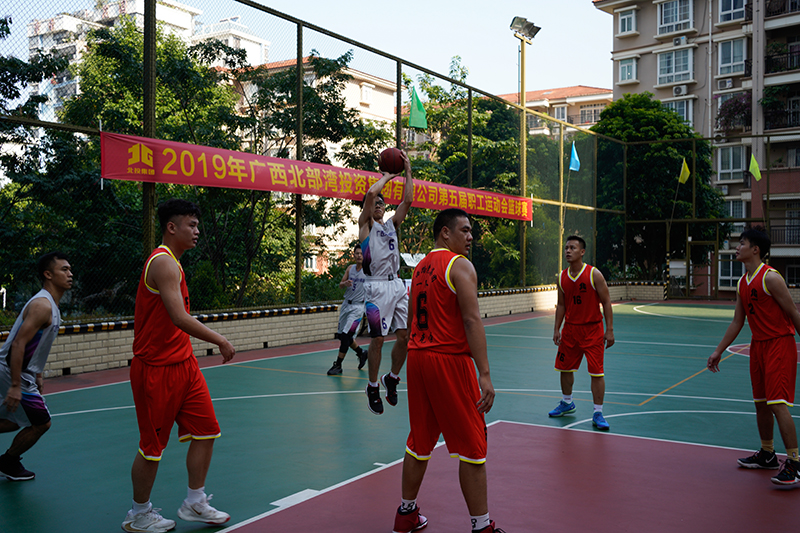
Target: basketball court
point(301, 452)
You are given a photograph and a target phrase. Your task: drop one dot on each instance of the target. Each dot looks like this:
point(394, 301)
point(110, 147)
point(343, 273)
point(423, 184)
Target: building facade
point(731, 69)
point(579, 105)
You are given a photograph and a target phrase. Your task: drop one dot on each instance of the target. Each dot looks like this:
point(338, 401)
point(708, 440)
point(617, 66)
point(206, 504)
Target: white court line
point(570, 426)
point(639, 310)
point(616, 342)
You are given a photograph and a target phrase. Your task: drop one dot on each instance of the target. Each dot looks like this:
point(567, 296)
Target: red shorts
point(773, 369)
point(443, 393)
point(577, 339)
point(167, 394)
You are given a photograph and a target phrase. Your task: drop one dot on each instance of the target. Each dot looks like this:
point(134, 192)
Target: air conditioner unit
point(725, 84)
point(679, 41)
point(680, 90)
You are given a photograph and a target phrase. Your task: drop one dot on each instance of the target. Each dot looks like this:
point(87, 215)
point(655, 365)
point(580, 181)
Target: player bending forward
point(762, 297)
point(444, 397)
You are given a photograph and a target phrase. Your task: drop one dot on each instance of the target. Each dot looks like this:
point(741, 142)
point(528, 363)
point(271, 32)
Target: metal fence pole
point(149, 123)
point(298, 198)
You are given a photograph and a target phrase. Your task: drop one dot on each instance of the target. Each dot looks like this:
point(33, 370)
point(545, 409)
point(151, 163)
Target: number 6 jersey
point(580, 296)
point(437, 324)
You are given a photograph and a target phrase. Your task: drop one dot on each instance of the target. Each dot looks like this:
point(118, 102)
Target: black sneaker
point(788, 475)
point(336, 368)
point(362, 358)
point(760, 459)
point(374, 399)
point(13, 469)
point(391, 388)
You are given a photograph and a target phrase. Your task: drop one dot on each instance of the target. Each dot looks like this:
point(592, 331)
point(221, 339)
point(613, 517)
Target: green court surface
point(288, 428)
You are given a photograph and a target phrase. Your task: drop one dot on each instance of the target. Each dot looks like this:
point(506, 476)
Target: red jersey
point(580, 296)
point(437, 324)
point(765, 317)
point(155, 338)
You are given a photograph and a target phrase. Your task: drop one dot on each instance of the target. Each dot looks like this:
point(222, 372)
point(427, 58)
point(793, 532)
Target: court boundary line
point(638, 310)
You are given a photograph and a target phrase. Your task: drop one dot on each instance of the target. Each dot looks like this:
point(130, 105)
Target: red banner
point(126, 157)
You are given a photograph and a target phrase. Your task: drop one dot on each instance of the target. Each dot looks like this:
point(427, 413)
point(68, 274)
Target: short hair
point(379, 195)
point(45, 263)
point(757, 236)
point(577, 238)
point(176, 207)
point(447, 218)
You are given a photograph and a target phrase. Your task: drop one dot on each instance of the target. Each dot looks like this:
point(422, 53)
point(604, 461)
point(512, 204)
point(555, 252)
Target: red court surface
point(552, 480)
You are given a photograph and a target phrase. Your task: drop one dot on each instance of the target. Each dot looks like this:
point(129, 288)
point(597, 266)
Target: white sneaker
point(202, 512)
point(148, 522)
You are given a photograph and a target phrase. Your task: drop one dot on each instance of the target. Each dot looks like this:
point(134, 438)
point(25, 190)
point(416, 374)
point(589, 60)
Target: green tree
point(653, 191)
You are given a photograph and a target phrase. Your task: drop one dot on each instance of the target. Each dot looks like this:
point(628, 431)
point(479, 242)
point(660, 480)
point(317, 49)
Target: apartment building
point(731, 69)
point(579, 105)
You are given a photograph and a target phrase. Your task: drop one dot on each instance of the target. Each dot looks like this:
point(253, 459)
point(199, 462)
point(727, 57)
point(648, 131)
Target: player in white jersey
point(351, 312)
point(386, 294)
point(22, 361)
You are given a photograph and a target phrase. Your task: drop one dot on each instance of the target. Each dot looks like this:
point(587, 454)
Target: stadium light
point(525, 28)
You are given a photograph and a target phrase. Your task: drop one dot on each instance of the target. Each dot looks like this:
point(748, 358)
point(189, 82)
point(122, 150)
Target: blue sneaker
point(599, 422)
point(563, 408)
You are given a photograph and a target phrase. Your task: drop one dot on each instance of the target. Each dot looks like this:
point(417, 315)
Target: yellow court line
point(295, 371)
point(684, 380)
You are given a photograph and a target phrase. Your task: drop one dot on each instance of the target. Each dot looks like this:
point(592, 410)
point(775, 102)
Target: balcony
point(784, 234)
point(585, 118)
point(781, 62)
point(780, 7)
point(781, 118)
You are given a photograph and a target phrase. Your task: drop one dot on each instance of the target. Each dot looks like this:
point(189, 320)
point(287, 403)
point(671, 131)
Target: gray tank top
point(380, 249)
point(37, 350)
point(356, 292)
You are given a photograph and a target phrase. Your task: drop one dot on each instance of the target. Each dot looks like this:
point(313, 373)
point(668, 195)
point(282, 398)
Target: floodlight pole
point(523, 146)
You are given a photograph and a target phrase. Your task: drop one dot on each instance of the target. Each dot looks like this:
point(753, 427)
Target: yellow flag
point(684, 172)
point(754, 170)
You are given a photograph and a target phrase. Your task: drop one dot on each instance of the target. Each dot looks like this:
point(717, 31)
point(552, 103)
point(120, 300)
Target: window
point(627, 69)
point(731, 163)
point(793, 223)
point(674, 16)
point(675, 66)
point(310, 263)
point(590, 113)
point(560, 113)
point(683, 108)
point(730, 270)
point(627, 21)
point(731, 10)
point(793, 274)
point(731, 56)
point(366, 93)
point(735, 209)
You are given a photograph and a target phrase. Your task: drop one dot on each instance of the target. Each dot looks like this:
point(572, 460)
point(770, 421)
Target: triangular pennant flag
point(574, 162)
point(684, 172)
point(417, 116)
point(754, 170)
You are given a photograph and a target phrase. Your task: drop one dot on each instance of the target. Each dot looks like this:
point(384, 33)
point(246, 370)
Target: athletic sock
point(138, 508)
point(567, 398)
point(195, 495)
point(371, 384)
point(791, 453)
point(407, 506)
point(392, 374)
point(768, 445)
point(480, 522)
point(598, 408)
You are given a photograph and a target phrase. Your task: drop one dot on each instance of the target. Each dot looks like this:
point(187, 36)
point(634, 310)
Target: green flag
point(754, 170)
point(684, 172)
point(417, 117)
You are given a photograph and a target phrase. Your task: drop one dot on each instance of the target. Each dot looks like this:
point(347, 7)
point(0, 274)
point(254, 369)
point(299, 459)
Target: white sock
point(480, 522)
point(371, 384)
point(598, 408)
point(195, 495)
point(567, 398)
point(138, 508)
point(407, 506)
point(395, 376)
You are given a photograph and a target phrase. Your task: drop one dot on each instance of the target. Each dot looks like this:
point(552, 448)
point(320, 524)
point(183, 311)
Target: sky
point(572, 48)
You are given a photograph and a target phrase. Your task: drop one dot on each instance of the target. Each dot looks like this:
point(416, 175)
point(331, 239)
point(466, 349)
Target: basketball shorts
point(32, 410)
point(387, 306)
point(443, 393)
point(579, 339)
point(164, 395)
point(350, 316)
point(773, 370)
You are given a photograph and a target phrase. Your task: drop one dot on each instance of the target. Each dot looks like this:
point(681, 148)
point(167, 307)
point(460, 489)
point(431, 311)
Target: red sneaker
point(406, 523)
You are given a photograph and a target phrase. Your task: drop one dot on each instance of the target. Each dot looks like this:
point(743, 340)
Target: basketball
point(391, 161)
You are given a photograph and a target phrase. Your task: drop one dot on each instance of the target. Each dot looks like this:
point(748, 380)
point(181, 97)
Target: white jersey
point(381, 253)
point(37, 350)
point(355, 292)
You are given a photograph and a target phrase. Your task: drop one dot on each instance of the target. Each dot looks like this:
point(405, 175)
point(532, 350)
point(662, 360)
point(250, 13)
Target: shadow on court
point(545, 479)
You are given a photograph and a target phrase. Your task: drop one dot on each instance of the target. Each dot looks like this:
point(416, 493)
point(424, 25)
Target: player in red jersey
point(166, 381)
point(446, 344)
point(581, 291)
point(762, 297)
